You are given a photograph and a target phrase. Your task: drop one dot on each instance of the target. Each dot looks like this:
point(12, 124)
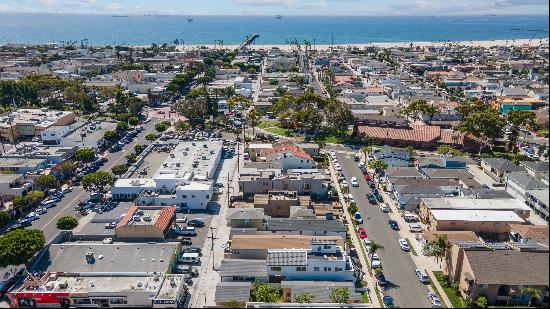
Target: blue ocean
point(139, 29)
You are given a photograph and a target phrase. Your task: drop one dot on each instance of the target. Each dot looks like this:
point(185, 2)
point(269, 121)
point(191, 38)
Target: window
point(118, 301)
point(483, 286)
point(337, 269)
point(327, 269)
point(276, 268)
point(207, 196)
point(301, 268)
point(315, 268)
point(184, 196)
point(82, 301)
point(193, 196)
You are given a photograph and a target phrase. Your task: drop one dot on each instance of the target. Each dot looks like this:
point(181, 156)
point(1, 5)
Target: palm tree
point(533, 294)
point(439, 247)
point(374, 246)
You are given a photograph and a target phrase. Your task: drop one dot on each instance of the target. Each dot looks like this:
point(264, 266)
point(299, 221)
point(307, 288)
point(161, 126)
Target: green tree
point(45, 182)
point(119, 169)
point(338, 116)
point(67, 223)
point(162, 126)
point(97, 181)
point(534, 295)
point(374, 247)
point(4, 218)
point(352, 208)
point(472, 106)
point(138, 149)
point(414, 109)
point(19, 246)
point(33, 198)
point(303, 298)
point(151, 137)
point(121, 126)
point(486, 125)
point(18, 203)
point(265, 293)
point(68, 168)
point(110, 136)
point(481, 302)
point(195, 110)
point(378, 165)
point(131, 158)
point(85, 155)
point(339, 295)
point(517, 120)
point(439, 247)
point(253, 118)
point(133, 121)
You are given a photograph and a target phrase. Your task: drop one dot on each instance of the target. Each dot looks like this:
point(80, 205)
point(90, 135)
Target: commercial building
point(31, 122)
point(185, 179)
point(312, 182)
point(64, 290)
point(429, 204)
point(146, 222)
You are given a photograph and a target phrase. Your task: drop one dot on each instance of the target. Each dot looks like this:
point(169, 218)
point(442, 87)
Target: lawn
point(411, 247)
point(454, 297)
point(543, 132)
point(264, 124)
point(364, 298)
point(277, 131)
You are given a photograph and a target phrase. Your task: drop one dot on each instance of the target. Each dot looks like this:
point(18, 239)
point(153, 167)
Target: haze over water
point(140, 30)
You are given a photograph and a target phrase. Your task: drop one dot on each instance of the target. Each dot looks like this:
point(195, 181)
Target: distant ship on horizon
point(121, 15)
point(190, 20)
point(279, 17)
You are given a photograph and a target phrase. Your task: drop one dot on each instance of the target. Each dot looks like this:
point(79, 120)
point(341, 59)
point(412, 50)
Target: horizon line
point(272, 15)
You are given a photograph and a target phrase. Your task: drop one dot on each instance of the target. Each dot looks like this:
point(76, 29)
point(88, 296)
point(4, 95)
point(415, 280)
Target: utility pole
point(211, 237)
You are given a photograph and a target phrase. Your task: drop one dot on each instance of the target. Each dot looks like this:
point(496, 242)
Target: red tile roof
point(162, 222)
point(286, 148)
point(417, 133)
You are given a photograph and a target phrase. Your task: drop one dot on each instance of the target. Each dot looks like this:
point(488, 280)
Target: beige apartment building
point(31, 122)
point(133, 76)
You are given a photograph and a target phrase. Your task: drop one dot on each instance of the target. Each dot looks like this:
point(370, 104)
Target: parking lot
point(398, 267)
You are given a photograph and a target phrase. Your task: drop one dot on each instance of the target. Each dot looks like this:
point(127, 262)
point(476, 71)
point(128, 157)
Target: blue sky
point(284, 7)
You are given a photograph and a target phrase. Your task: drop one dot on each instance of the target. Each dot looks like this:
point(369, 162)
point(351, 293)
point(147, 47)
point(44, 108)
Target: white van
point(185, 231)
point(410, 217)
point(189, 258)
point(415, 228)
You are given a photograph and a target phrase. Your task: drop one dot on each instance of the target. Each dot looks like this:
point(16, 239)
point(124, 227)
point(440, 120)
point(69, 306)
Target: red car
point(362, 233)
point(367, 177)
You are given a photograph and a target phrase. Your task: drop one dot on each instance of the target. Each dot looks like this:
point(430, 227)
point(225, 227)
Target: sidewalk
point(367, 276)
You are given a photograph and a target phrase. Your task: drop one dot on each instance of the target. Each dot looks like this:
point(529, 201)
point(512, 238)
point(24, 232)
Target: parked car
point(358, 218)
point(375, 261)
point(415, 228)
point(388, 302)
point(371, 198)
point(186, 269)
point(381, 280)
point(378, 197)
point(422, 276)
point(362, 233)
point(110, 225)
point(186, 241)
point(354, 182)
point(404, 245)
point(195, 223)
point(434, 300)
point(367, 242)
point(193, 250)
point(393, 224)
point(25, 222)
point(384, 208)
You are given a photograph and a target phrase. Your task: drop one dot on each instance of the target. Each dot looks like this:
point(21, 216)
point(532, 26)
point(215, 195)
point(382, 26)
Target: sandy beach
point(484, 44)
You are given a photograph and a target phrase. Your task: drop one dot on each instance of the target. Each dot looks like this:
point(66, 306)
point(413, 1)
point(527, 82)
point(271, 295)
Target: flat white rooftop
point(476, 215)
point(200, 158)
point(474, 204)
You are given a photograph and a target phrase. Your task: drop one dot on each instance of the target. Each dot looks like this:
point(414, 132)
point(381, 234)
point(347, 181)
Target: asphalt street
point(47, 222)
point(398, 266)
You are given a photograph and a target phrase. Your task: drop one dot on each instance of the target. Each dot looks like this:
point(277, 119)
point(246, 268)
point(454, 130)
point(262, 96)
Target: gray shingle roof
point(286, 258)
point(237, 291)
point(526, 181)
point(509, 267)
point(447, 173)
point(502, 165)
point(284, 224)
point(246, 213)
point(243, 268)
point(535, 166)
point(402, 172)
